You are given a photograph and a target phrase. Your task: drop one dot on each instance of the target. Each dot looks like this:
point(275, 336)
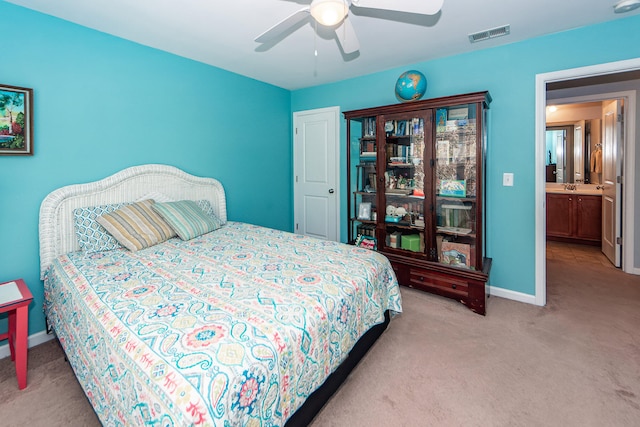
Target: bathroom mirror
point(567, 153)
point(574, 131)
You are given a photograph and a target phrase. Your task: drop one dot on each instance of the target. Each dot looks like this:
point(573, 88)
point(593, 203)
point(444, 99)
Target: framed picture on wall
point(16, 125)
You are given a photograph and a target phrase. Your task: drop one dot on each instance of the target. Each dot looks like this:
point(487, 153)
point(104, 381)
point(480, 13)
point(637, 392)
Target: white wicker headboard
point(56, 229)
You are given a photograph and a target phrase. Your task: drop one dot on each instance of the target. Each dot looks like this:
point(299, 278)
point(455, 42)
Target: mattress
point(236, 327)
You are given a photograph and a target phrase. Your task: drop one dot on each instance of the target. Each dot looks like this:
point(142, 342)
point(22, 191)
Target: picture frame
point(453, 188)
point(16, 121)
point(364, 211)
point(441, 119)
point(442, 152)
point(456, 254)
point(459, 113)
point(459, 153)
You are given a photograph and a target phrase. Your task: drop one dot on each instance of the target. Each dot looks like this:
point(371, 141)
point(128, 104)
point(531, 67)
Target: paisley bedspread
point(234, 328)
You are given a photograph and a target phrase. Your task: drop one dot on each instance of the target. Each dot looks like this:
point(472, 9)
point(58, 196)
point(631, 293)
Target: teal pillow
point(93, 237)
point(186, 218)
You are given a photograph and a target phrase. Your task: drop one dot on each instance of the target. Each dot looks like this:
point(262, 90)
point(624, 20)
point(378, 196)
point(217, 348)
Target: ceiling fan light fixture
point(329, 12)
point(626, 6)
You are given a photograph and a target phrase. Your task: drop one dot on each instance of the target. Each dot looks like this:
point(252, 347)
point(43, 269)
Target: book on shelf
point(398, 153)
point(401, 127)
point(455, 230)
point(368, 146)
point(369, 126)
point(366, 230)
point(463, 207)
point(372, 182)
point(455, 216)
point(368, 156)
point(417, 126)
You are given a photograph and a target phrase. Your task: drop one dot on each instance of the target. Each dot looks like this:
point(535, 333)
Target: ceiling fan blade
point(423, 7)
point(282, 26)
point(347, 37)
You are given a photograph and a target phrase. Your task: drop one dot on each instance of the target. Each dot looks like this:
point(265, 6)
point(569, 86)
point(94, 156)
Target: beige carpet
point(575, 362)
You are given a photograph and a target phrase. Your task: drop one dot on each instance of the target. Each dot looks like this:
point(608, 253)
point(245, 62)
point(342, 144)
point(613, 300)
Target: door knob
point(331, 191)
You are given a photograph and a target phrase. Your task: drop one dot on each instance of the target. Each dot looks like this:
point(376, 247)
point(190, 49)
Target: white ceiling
point(221, 33)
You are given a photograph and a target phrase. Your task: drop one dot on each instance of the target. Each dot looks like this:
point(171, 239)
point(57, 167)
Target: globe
point(411, 86)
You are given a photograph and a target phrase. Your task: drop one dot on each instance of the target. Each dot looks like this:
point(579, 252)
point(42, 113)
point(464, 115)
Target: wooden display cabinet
point(416, 188)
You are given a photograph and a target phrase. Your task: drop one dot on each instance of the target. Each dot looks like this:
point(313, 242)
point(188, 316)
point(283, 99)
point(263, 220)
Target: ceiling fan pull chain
point(315, 40)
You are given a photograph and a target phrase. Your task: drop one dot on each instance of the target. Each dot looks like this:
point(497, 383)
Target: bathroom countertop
point(583, 189)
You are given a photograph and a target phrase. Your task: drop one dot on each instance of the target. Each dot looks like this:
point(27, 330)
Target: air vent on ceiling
point(490, 34)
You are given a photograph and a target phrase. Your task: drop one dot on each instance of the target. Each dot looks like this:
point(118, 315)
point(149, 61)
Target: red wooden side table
point(15, 298)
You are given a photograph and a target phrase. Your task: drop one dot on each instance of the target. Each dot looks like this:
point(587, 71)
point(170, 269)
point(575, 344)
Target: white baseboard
point(35, 339)
point(634, 270)
point(513, 295)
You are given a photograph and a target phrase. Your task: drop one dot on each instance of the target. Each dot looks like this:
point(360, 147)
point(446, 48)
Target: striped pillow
point(137, 226)
point(187, 218)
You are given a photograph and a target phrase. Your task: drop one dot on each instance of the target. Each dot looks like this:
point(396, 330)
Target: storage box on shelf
point(420, 167)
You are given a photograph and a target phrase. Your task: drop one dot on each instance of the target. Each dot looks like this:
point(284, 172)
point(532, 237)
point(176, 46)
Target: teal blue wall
point(508, 72)
point(102, 104)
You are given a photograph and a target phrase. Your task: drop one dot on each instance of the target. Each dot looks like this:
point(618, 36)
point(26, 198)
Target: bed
point(240, 326)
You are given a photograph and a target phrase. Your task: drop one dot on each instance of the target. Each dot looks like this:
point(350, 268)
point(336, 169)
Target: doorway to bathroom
point(583, 172)
point(583, 85)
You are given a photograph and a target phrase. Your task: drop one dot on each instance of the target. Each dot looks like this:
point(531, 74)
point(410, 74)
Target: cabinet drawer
point(444, 283)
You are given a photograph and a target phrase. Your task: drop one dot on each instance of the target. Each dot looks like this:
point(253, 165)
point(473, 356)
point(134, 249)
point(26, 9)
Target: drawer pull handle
point(421, 278)
point(454, 286)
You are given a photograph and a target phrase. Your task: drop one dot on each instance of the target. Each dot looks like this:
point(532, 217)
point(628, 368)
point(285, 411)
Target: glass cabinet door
point(456, 182)
point(404, 185)
point(363, 186)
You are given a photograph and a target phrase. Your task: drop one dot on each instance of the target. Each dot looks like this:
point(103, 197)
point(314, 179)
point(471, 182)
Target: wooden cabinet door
point(589, 217)
point(560, 215)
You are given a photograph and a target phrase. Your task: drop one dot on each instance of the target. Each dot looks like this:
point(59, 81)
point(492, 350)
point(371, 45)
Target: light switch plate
point(507, 179)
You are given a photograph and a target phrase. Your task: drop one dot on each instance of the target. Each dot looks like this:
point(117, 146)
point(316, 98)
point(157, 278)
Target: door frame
point(335, 111)
point(628, 249)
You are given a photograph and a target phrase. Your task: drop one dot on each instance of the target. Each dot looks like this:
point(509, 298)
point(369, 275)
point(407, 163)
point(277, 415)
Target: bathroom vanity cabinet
point(574, 218)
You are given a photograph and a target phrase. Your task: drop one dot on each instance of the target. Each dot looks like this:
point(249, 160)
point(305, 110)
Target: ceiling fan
point(330, 13)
